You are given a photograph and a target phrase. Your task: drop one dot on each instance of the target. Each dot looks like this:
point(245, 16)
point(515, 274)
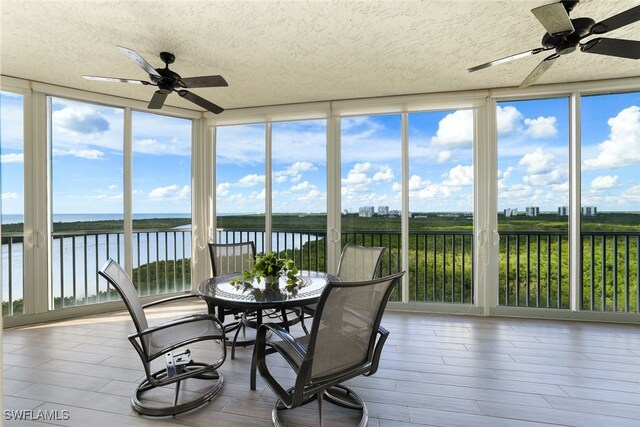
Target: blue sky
point(533, 159)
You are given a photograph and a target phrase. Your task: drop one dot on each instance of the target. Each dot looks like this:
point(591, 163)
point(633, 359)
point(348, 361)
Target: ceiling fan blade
point(554, 18)
point(157, 101)
point(135, 57)
point(620, 20)
point(116, 79)
point(506, 59)
point(215, 109)
point(204, 81)
point(539, 70)
point(613, 47)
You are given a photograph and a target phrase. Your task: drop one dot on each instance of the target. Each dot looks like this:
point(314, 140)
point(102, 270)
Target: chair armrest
point(170, 299)
point(300, 350)
point(377, 351)
point(181, 321)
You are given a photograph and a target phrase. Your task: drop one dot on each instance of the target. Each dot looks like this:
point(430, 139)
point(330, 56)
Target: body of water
point(16, 219)
point(78, 258)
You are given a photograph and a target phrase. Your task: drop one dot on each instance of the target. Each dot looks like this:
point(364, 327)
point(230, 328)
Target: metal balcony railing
point(533, 270)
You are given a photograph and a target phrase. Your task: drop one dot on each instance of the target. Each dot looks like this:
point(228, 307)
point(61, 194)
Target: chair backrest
point(344, 330)
point(119, 279)
point(231, 257)
point(359, 262)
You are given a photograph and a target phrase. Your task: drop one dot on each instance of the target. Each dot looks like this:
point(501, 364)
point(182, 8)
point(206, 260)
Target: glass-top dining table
point(223, 293)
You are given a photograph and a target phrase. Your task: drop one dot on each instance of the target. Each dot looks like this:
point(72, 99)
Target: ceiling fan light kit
point(168, 81)
point(565, 35)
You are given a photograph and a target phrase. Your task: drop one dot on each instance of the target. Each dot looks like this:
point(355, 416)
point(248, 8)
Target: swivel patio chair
point(229, 258)
point(345, 341)
point(356, 263)
point(167, 341)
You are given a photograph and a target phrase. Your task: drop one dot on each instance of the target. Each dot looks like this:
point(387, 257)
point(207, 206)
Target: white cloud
point(508, 119)
point(384, 174)
point(542, 127)
point(251, 180)
point(357, 179)
point(605, 182)
point(542, 169)
point(152, 146)
point(632, 194)
point(455, 130)
point(460, 176)
point(83, 154)
point(112, 187)
point(80, 119)
point(223, 189)
point(623, 146)
point(12, 158)
point(10, 196)
point(538, 162)
point(170, 193)
point(444, 156)
point(293, 172)
point(304, 186)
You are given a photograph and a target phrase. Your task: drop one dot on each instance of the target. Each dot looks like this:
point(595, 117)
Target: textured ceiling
point(295, 51)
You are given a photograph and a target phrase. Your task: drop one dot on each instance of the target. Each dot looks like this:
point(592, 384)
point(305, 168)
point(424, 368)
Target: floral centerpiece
point(269, 268)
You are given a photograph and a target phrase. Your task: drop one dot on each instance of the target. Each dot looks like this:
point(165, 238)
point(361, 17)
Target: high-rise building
point(563, 211)
point(366, 211)
point(383, 210)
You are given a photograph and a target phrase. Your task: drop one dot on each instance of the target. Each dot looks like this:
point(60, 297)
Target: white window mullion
point(201, 193)
point(268, 226)
point(334, 207)
point(127, 185)
point(37, 239)
point(575, 246)
point(487, 239)
point(405, 207)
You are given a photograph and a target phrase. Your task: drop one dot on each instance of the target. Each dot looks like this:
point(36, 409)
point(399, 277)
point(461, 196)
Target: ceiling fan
point(564, 35)
point(168, 81)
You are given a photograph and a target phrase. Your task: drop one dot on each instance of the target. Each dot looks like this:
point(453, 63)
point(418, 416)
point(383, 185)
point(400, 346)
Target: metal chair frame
point(180, 366)
point(310, 310)
point(306, 388)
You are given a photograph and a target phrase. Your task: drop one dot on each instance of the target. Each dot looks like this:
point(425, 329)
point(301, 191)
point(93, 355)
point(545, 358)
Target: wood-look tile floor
point(436, 370)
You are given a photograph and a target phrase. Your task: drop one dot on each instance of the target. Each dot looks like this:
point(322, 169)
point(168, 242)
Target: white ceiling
point(295, 51)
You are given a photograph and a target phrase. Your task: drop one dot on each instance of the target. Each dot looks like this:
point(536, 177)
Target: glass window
point(240, 184)
point(86, 196)
point(299, 192)
point(533, 199)
point(610, 193)
point(12, 204)
point(371, 177)
point(441, 206)
point(161, 203)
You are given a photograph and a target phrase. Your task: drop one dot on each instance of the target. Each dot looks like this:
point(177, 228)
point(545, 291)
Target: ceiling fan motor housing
point(169, 80)
point(567, 43)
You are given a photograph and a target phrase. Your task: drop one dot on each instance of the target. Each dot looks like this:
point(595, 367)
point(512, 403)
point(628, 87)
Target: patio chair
point(167, 341)
point(345, 341)
point(227, 258)
point(356, 263)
